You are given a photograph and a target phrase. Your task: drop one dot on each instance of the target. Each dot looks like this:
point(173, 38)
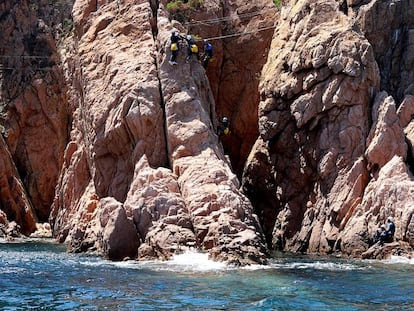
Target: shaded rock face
point(389, 27)
point(329, 140)
point(15, 204)
point(240, 32)
point(33, 110)
point(144, 174)
point(241, 49)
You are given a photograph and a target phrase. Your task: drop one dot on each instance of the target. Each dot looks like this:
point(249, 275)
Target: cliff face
point(144, 173)
point(33, 114)
point(118, 148)
point(328, 136)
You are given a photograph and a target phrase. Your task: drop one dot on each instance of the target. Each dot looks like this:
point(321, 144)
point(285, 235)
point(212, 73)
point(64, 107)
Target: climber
point(207, 54)
point(380, 235)
point(192, 48)
point(174, 47)
point(223, 127)
point(390, 230)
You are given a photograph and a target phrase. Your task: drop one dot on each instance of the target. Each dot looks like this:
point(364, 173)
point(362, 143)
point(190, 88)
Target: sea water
point(40, 275)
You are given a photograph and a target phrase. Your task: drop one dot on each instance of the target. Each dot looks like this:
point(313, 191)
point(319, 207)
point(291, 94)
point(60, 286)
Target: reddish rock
point(135, 112)
point(316, 89)
point(389, 27)
point(120, 239)
point(34, 118)
point(160, 215)
point(386, 138)
point(387, 250)
point(14, 201)
point(240, 32)
point(145, 176)
point(389, 194)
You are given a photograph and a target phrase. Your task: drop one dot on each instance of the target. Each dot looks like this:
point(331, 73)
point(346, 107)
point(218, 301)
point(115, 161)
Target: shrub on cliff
point(180, 10)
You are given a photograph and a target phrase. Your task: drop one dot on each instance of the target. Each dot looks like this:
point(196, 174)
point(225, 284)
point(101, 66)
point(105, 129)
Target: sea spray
point(42, 276)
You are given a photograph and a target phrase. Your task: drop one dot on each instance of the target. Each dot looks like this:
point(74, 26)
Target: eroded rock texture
point(33, 109)
point(117, 148)
point(389, 27)
point(326, 135)
point(144, 161)
point(235, 73)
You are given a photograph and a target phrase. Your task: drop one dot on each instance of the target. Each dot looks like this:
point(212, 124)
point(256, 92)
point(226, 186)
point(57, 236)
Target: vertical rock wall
point(241, 33)
point(33, 106)
point(328, 137)
point(144, 163)
point(389, 27)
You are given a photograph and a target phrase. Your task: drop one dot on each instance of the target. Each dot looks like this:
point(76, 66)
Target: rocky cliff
point(118, 149)
point(329, 132)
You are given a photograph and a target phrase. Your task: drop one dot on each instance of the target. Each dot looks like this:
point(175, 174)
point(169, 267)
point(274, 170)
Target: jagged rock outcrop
point(322, 162)
point(118, 117)
point(144, 160)
point(129, 140)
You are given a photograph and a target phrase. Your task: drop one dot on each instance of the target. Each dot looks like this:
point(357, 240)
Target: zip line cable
point(227, 18)
point(239, 34)
point(31, 67)
point(206, 21)
point(211, 38)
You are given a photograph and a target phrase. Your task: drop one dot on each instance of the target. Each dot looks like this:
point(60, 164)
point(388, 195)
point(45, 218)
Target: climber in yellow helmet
point(174, 46)
point(192, 48)
point(223, 127)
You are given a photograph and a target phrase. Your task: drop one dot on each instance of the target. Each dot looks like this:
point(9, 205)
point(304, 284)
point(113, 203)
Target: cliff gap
point(118, 150)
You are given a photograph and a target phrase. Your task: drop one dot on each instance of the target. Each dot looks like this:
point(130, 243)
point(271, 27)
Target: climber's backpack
point(194, 48)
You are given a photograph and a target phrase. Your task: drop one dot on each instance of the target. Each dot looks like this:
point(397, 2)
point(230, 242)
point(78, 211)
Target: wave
point(194, 261)
point(316, 265)
point(189, 261)
point(399, 260)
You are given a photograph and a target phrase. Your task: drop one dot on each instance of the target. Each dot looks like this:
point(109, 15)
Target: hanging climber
point(223, 127)
point(390, 229)
point(174, 47)
point(192, 48)
point(380, 236)
point(207, 54)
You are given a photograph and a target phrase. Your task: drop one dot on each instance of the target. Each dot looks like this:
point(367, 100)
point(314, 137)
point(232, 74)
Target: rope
point(227, 18)
point(206, 21)
point(239, 34)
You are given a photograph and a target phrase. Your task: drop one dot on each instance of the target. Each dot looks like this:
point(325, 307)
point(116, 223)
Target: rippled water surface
point(39, 275)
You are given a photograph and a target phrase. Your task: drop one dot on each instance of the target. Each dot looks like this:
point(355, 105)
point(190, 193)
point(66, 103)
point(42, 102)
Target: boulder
point(389, 194)
point(159, 212)
point(119, 237)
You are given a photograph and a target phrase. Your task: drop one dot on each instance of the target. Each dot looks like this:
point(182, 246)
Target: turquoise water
point(39, 275)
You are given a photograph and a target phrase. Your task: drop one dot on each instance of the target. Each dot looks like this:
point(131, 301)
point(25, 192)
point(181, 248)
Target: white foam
point(317, 265)
point(400, 260)
point(192, 260)
point(188, 261)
